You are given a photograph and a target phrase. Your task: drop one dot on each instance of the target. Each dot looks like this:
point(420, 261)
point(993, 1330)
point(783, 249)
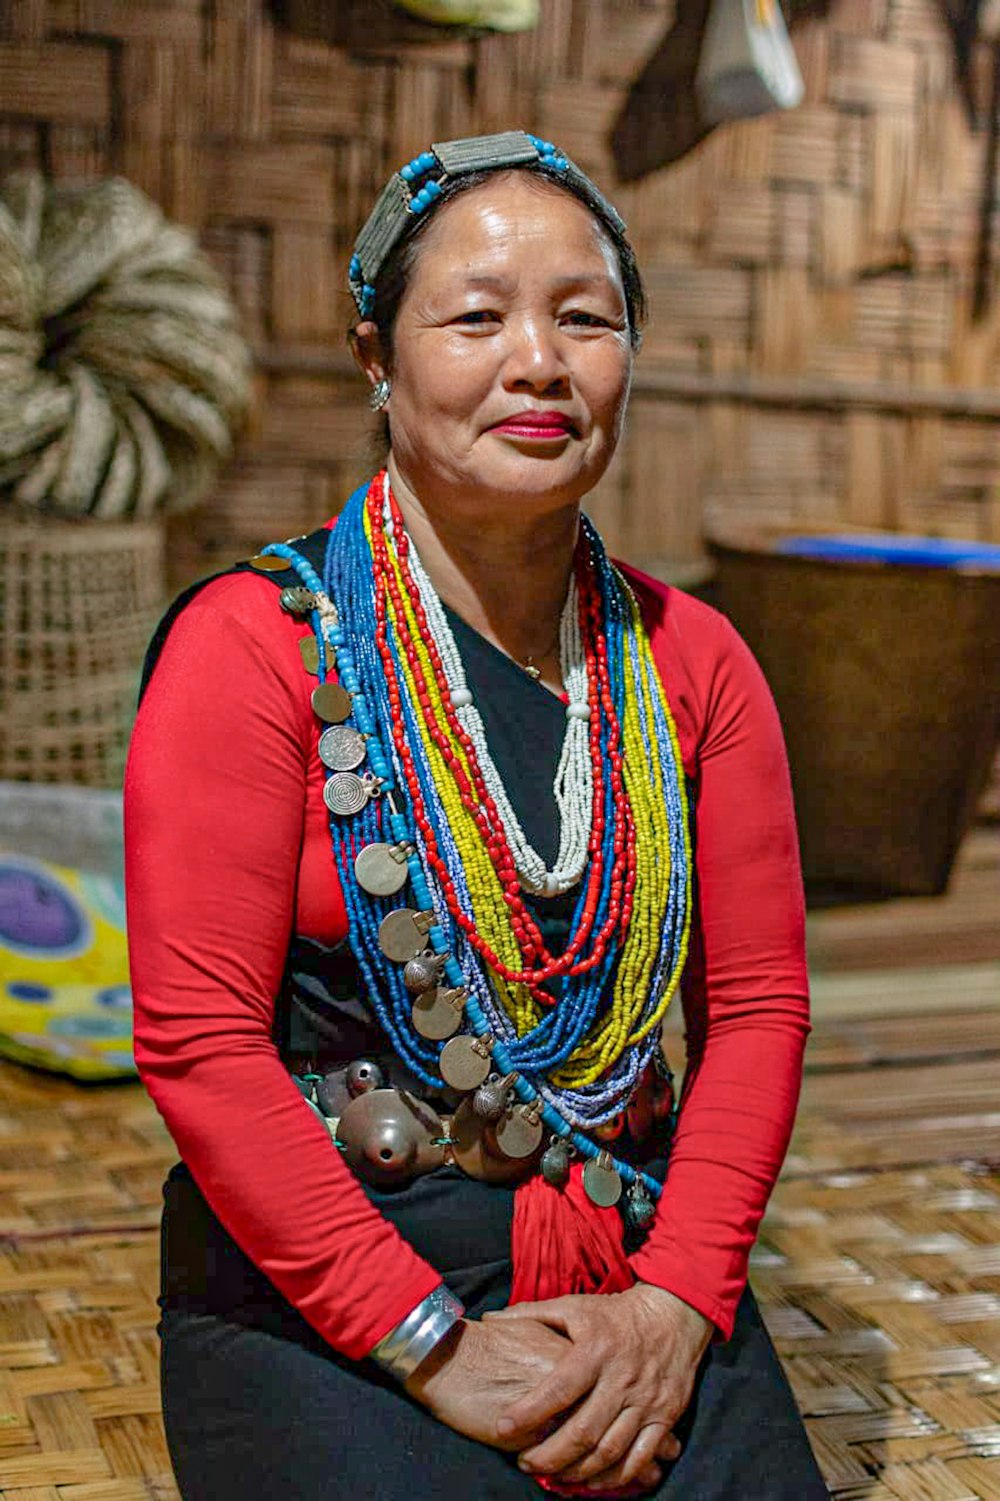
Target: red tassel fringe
point(561, 1243)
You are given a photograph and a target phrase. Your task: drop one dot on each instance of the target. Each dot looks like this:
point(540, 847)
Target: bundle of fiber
point(123, 377)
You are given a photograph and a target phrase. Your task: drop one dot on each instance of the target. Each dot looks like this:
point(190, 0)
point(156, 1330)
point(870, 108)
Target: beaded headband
point(415, 188)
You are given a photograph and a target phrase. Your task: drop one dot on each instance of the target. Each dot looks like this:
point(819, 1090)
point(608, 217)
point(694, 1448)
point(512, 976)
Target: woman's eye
point(478, 316)
point(586, 320)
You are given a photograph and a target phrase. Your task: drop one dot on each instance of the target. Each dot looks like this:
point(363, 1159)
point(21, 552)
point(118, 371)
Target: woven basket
point(77, 605)
point(887, 679)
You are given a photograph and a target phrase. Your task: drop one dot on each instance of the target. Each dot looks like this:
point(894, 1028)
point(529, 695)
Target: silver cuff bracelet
point(401, 1350)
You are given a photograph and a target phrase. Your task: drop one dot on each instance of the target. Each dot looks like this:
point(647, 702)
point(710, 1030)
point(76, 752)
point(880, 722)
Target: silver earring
point(381, 391)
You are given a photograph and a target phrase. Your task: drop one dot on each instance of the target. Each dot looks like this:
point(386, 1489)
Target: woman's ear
point(366, 346)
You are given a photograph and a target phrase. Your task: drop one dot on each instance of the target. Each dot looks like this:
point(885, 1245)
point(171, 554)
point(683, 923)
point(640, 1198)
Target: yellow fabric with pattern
point(65, 1001)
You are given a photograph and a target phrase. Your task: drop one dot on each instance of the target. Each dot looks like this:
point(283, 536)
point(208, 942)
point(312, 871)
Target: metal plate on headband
point(380, 869)
point(345, 793)
point(401, 935)
point(510, 148)
point(383, 227)
point(331, 702)
point(341, 748)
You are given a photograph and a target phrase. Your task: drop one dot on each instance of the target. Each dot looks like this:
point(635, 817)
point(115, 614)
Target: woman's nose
point(534, 359)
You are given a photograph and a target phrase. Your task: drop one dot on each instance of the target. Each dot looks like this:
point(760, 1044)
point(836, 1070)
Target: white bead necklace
point(573, 786)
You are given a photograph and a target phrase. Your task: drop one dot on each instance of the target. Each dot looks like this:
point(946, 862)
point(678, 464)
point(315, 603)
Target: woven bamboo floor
point(878, 1266)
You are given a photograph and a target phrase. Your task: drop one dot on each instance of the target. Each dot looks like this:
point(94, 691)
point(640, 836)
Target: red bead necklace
point(540, 965)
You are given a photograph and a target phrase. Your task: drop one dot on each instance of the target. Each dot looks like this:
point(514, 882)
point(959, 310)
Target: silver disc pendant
point(380, 869)
point(601, 1181)
point(345, 793)
point(520, 1132)
point(465, 1062)
point(341, 748)
point(437, 1014)
point(331, 702)
point(402, 935)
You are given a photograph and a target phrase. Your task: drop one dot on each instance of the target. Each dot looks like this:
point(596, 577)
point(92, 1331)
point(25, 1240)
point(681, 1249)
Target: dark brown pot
point(887, 679)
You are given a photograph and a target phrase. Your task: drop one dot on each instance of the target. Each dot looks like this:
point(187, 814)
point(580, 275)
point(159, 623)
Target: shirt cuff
point(720, 1314)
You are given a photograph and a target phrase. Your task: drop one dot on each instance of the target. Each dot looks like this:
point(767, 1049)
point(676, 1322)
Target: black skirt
point(255, 1403)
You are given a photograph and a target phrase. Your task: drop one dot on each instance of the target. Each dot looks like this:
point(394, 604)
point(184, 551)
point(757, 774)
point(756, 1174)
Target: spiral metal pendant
point(345, 793)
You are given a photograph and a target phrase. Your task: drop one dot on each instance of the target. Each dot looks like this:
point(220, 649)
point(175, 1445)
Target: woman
point(551, 787)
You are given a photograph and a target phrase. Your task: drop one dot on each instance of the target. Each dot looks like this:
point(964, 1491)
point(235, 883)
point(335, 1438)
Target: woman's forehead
point(486, 235)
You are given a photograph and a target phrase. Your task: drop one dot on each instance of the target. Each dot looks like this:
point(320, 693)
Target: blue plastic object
point(925, 552)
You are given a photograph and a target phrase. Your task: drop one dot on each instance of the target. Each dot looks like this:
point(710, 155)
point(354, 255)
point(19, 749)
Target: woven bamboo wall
point(812, 353)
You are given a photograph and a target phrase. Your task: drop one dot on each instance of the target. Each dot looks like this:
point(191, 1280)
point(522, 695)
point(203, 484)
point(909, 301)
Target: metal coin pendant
point(520, 1132)
point(309, 652)
point(378, 868)
point(345, 793)
point(464, 1063)
point(266, 562)
point(437, 1017)
point(601, 1181)
point(341, 748)
point(402, 935)
point(331, 702)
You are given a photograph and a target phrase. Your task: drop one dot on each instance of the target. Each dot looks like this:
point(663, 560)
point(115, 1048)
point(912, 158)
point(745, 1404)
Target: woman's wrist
point(661, 1299)
point(409, 1344)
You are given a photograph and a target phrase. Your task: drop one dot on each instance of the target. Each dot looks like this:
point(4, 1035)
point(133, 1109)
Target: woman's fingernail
point(524, 1465)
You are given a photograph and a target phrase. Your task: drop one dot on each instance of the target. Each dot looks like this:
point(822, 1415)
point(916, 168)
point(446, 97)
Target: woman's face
point(511, 356)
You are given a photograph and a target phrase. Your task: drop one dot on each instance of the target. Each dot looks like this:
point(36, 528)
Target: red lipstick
point(536, 426)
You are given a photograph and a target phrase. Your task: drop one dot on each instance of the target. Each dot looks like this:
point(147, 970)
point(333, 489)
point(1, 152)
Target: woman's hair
point(397, 269)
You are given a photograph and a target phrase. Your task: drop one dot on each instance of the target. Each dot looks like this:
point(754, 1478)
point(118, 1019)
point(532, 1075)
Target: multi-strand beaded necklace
point(460, 977)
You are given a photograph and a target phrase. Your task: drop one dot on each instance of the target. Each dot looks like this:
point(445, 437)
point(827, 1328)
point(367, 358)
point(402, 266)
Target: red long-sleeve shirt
point(228, 853)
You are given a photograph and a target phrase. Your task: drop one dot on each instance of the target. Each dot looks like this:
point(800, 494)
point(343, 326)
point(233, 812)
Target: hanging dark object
point(662, 118)
point(962, 18)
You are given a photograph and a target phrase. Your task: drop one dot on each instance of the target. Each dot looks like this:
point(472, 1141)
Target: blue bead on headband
point(415, 188)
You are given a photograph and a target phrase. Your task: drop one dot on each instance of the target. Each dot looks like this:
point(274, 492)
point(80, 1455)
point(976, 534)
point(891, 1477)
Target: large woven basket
point(77, 604)
point(887, 679)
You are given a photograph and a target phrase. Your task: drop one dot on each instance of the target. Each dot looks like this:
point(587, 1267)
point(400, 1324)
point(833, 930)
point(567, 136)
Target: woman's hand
point(479, 1371)
point(628, 1375)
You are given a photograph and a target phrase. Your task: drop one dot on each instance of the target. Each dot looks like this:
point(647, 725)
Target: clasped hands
point(585, 1389)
